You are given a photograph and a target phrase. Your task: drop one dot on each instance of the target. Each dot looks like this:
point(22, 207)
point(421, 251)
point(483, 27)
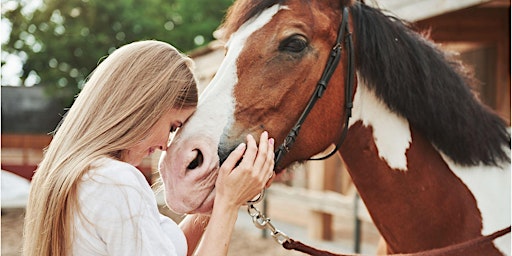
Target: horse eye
point(295, 43)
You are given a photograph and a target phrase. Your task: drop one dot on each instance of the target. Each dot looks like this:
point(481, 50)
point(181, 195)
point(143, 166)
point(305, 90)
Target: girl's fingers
point(269, 181)
point(253, 172)
point(261, 159)
point(230, 162)
point(271, 154)
point(250, 152)
point(268, 166)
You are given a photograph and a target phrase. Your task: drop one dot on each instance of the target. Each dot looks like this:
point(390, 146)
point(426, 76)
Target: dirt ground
point(246, 240)
point(242, 243)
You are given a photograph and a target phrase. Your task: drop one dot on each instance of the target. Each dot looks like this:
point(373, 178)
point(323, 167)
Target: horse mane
point(427, 87)
point(415, 79)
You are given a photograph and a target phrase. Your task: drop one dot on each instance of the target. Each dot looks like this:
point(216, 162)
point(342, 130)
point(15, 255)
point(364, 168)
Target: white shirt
point(120, 215)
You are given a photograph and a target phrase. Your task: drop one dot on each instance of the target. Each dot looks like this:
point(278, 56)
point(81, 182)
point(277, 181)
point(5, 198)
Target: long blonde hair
point(124, 97)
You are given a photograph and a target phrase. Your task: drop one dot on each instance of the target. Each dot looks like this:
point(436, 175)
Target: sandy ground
point(243, 242)
point(12, 230)
point(246, 240)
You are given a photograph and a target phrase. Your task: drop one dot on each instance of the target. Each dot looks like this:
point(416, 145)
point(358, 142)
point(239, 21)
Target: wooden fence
point(21, 153)
point(322, 198)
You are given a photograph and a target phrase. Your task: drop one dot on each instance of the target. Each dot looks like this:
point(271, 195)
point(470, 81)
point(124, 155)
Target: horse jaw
point(190, 188)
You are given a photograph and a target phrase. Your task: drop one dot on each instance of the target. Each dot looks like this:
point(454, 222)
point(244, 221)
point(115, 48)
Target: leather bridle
point(344, 36)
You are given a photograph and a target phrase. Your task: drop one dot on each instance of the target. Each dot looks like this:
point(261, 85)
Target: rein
point(344, 35)
point(454, 249)
point(262, 222)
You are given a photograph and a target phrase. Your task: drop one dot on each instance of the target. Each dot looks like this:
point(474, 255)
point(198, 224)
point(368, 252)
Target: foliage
point(62, 41)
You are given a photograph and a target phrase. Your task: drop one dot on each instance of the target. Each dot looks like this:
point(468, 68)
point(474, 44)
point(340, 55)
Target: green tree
point(62, 41)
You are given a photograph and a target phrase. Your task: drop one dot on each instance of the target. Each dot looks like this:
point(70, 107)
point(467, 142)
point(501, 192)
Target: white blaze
point(217, 104)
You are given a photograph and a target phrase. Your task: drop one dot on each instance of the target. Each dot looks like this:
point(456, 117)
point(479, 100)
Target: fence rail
point(21, 153)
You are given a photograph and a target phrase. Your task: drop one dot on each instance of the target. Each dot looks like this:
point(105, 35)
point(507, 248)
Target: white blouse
point(120, 216)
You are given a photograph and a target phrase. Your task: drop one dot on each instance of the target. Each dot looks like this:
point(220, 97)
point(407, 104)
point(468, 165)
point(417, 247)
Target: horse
point(430, 161)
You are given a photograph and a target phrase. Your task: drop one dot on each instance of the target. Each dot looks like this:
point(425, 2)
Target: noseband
point(344, 36)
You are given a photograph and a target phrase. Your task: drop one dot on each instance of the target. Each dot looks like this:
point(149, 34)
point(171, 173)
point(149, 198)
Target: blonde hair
point(124, 97)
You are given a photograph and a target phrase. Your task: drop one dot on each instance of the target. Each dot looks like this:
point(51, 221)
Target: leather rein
point(262, 222)
point(344, 36)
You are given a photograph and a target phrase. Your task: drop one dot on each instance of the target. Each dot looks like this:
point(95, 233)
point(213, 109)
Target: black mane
point(416, 80)
point(423, 84)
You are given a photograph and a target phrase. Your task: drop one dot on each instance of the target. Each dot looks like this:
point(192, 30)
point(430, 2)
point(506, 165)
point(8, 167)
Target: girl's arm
point(193, 227)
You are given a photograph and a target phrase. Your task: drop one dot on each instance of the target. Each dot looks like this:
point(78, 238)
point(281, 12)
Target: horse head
point(275, 55)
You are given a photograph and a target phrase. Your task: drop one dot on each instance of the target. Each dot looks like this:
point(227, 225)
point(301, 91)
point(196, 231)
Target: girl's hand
point(234, 187)
point(237, 185)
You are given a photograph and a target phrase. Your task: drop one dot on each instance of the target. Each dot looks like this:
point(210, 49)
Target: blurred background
point(56, 43)
point(49, 47)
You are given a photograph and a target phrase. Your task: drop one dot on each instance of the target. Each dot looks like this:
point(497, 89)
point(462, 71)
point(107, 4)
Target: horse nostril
point(198, 160)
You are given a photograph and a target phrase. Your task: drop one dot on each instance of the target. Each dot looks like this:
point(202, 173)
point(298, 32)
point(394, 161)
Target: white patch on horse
point(391, 132)
point(216, 104)
point(490, 186)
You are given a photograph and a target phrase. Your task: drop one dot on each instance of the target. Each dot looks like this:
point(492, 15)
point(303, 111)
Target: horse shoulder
point(490, 185)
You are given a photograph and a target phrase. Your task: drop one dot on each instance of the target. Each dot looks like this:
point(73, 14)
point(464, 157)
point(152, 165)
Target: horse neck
point(415, 200)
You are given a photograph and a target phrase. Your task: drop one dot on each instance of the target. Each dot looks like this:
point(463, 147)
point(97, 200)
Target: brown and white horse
point(430, 162)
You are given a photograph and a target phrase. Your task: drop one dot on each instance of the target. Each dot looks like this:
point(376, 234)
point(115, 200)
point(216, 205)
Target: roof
point(415, 10)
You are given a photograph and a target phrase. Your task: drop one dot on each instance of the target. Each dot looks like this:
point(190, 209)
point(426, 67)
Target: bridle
point(344, 36)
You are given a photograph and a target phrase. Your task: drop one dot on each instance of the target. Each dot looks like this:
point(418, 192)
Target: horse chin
point(206, 206)
point(181, 207)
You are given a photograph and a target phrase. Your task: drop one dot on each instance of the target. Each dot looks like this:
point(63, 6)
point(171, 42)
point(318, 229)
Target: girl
point(87, 198)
